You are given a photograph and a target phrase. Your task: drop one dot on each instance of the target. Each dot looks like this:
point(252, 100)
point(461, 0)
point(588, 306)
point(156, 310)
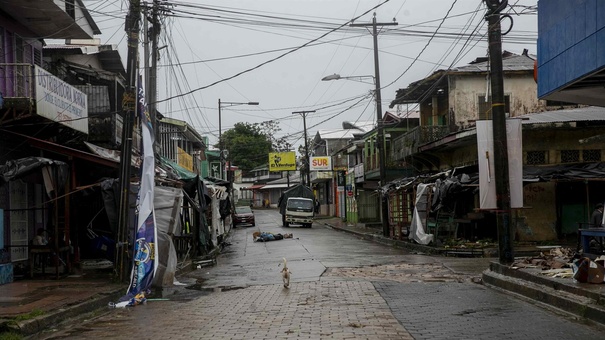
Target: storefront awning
point(254, 187)
point(277, 186)
point(63, 150)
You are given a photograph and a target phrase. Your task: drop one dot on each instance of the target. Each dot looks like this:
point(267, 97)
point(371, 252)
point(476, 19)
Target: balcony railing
point(407, 144)
point(17, 80)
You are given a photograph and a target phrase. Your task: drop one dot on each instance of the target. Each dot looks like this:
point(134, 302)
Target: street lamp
point(380, 133)
point(381, 156)
point(336, 76)
point(220, 141)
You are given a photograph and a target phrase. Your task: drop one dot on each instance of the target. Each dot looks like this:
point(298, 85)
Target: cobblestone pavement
point(310, 310)
point(342, 288)
point(466, 311)
point(400, 272)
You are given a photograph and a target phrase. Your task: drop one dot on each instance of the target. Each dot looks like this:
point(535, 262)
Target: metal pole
point(380, 132)
point(505, 233)
point(220, 140)
point(307, 151)
point(346, 197)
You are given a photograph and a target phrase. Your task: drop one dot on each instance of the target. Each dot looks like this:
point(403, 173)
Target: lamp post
point(386, 230)
point(360, 79)
point(336, 76)
point(220, 140)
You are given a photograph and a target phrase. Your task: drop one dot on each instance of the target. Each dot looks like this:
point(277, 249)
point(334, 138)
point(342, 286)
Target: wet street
point(342, 287)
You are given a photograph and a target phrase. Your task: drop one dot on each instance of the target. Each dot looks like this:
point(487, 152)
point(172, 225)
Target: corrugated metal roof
point(591, 113)
point(513, 63)
point(337, 134)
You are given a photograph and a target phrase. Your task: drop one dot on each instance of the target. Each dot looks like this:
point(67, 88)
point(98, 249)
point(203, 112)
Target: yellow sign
point(184, 159)
point(282, 161)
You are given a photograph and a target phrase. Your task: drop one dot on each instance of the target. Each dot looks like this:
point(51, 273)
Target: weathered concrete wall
point(465, 91)
point(463, 156)
point(558, 139)
point(537, 222)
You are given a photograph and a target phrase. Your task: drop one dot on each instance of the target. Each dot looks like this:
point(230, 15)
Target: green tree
point(271, 128)
point(249, 144)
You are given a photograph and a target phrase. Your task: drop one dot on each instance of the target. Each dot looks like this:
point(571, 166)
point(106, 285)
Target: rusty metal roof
point(590, 113)
point(513, 62)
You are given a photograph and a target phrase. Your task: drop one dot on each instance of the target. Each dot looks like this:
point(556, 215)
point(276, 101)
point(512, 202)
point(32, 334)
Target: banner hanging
point(145, 249)
point(487, 179)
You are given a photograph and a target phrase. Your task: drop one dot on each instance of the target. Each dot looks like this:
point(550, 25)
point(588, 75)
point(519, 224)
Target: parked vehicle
point(297, 206)
point(243, 216)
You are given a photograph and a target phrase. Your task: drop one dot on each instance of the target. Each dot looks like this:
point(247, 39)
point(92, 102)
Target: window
point(536, 157)
point(591, 155)
point(485, 107)
point(570, 156)
point(2, 59)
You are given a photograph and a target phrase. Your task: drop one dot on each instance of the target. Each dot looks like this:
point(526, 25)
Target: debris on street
point(586, 270)
point(556, 258)
point(565, 263)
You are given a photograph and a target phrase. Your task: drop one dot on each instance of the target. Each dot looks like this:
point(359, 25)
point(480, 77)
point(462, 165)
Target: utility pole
point(220, 140)
point(129, 104)
point(153, 71)
point(380, 132)
point(223, 154)
point(304, 115)
point(505, 234)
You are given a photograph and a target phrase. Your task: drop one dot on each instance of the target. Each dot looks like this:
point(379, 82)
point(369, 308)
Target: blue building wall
point(571, 42)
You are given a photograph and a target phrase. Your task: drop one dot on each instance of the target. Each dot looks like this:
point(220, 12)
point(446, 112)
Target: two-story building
point(41, 117)
point(451, 102)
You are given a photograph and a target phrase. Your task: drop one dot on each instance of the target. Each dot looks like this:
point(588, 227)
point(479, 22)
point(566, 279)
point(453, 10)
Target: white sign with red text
point(321, 163)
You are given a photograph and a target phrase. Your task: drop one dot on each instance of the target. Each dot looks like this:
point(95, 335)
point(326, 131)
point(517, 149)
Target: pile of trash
point(566, 263)
point(556, 258)
point(139, 299)
point(587, 270)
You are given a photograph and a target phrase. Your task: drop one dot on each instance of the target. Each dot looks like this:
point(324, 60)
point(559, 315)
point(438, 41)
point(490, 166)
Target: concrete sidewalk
point(584, 301)
point(29, 306)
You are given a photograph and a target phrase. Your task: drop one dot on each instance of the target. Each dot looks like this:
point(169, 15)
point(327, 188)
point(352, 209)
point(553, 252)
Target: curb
point(390, 242)
point(455, 252)
point(568, 298)
point(77, 311)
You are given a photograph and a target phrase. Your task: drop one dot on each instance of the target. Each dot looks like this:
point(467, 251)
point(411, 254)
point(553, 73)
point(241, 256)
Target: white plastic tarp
point(167, 205)
point(217, 227)
point(417, 229)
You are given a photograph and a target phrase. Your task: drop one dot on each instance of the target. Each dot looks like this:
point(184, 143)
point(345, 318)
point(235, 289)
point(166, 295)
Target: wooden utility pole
point(304, 115)
point(129, 105)
point(380, 132)
point(505, 234)
point(153, 71)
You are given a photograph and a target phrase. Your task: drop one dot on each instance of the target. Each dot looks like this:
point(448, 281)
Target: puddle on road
point(201, 287)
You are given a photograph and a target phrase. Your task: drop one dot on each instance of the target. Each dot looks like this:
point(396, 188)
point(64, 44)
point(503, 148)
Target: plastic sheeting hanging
point(167, 203)
point(417, 228)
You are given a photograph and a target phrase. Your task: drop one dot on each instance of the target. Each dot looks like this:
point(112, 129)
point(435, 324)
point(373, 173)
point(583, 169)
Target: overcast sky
point(276, 52)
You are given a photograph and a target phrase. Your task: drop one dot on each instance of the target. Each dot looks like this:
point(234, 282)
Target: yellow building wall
point(537, 221)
